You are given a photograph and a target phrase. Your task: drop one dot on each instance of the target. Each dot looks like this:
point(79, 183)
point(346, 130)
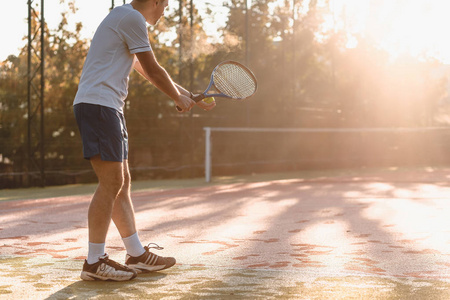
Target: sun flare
point(413, 27)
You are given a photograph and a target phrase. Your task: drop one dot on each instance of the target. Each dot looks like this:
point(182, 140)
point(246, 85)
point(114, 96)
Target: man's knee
point(114, 183)
point(110, 175)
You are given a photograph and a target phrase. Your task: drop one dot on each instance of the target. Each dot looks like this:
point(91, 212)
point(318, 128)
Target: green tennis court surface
point(378, 234)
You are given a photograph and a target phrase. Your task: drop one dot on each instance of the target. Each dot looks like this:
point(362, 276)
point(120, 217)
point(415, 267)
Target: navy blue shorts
point(103, 131)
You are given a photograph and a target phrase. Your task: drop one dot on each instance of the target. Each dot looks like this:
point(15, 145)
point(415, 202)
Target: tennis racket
point(231, 80)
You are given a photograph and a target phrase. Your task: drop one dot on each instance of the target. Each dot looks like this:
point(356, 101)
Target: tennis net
point(232, 151)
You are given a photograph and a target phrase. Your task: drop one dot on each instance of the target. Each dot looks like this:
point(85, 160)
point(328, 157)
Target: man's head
point(152, 10)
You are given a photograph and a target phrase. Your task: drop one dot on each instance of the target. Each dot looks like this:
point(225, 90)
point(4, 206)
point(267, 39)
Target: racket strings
point(234, 81)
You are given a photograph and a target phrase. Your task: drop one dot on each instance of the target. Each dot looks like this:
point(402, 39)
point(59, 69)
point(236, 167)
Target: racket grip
point(197, 98)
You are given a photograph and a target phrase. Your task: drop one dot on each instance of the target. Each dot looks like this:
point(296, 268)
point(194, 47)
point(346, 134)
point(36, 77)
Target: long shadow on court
point(345, 220)
point(350, 228)
point(289, 226)
point(344, 226)
point(368, 242)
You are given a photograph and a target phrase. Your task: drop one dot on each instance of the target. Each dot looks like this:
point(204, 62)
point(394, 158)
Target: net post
point(207, 154)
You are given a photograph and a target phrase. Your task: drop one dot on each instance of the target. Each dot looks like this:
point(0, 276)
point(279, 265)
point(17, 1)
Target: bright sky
point(13, 20)
point(417, 27)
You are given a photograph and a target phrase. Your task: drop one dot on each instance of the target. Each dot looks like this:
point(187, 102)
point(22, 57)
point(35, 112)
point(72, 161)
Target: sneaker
point(149, 262)
point(107, 269)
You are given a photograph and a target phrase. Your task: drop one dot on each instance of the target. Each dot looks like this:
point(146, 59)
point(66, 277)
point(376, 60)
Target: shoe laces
point(105, 259)
point(112, 263)
point(154, 247)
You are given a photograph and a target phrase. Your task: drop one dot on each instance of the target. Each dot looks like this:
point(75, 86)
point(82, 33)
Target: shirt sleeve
point(133, 32)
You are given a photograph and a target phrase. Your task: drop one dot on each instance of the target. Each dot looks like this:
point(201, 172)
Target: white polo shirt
point(105, 75)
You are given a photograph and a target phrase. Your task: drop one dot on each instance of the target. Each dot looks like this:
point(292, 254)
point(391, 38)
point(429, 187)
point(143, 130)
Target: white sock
point(95, 251)
point(133, 245)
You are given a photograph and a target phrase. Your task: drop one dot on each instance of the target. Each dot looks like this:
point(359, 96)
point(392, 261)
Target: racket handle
point(197, 98)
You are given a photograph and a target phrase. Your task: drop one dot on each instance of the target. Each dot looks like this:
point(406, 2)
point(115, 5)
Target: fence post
point(207, 154)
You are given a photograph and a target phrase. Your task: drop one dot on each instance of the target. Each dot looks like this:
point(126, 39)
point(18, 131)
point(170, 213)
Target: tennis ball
point(209, 100)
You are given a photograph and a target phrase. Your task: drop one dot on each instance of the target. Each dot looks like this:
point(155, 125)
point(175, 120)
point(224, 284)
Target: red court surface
point(365, 236)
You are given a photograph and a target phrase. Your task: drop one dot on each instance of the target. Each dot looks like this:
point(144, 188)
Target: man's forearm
point(141, 70)
point(182, 90)
point(157, 75)
point(161, 79)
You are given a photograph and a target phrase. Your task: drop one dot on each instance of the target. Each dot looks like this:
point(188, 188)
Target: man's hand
point(185, 103)
point(206, 105)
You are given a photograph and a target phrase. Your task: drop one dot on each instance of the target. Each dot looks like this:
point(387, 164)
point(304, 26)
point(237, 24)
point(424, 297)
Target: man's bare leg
point(98, 266)
point(123, 216)
point(123, 212)
point(110, 180)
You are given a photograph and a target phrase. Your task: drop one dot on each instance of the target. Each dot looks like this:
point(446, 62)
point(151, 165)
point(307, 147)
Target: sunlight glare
point(400, 27)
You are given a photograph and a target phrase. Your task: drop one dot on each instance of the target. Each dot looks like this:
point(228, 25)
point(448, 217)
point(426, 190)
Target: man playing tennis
point(120, 43)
